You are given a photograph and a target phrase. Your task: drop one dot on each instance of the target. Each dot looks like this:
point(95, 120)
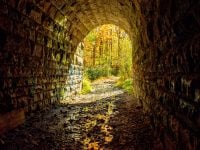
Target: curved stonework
point(38, 39)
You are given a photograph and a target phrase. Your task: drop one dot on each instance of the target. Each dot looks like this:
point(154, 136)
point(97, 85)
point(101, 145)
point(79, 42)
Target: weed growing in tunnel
point(86, 86)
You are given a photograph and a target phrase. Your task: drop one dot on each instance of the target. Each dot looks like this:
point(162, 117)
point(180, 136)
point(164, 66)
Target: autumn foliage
point(107, 51)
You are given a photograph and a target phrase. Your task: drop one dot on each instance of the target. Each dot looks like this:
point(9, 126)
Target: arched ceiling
point(79, 17)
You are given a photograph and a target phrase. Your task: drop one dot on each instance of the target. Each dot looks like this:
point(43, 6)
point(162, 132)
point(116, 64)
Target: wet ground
point(105, 119)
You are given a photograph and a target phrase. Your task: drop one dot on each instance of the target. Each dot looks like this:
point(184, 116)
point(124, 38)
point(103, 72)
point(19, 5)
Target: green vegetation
point(127, 85)
point(107, 52)
point(86, 86)
point(96, 72)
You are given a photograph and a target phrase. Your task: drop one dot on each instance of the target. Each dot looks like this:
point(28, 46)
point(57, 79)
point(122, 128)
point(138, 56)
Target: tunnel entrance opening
point(107, 51)
point(102, 63)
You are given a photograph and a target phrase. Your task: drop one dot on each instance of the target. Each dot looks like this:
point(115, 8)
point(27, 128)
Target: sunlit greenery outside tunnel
point(107, 52)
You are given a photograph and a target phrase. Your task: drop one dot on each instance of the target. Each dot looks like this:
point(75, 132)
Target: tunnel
point(38, 41)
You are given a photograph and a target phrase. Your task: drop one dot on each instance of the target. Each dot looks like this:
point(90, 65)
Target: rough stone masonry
point(38, 59)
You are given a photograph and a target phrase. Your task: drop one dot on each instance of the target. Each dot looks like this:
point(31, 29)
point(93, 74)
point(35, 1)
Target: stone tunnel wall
point(75, 74)
point(37, 65)
point(167, 70)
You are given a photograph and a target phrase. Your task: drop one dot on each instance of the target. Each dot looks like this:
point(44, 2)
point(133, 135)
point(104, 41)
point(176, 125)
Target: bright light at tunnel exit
point(105, 52)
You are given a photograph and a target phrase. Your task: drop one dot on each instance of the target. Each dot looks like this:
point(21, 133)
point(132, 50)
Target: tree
point(108, 46)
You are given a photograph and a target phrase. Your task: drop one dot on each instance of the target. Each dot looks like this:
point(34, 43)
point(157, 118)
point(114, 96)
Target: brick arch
point(79, 17)
point(71, 21)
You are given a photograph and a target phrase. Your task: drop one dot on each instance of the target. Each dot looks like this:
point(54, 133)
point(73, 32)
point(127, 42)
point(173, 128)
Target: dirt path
point(106, 119)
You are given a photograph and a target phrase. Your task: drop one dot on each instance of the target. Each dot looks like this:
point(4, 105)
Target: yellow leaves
point(110, 108)
point(86, 141)
point(90, 124)
point(102, 117)
point(101, 129)
point(97, 131)
point(90, 146)
point(93, 146)
point(106, 129)
point(85, 109)
point(108, 139)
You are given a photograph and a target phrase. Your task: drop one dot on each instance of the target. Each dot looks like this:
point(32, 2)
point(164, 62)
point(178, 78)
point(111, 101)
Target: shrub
point(127, 85)
point(115, 71)
point(86, 88)
point(94, 73)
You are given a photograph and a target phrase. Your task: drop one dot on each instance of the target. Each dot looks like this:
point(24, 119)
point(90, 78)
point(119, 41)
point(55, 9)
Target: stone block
point(38, 51)
point(11, 120)
point(52, 11)
point(37, 16)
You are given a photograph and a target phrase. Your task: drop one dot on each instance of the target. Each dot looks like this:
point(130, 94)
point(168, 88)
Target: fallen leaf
point(108, 138)
point(93, 146)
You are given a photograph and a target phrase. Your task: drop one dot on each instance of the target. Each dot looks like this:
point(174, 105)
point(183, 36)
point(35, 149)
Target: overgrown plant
point(96, 72)
point(86, 86)
point(127, 85)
